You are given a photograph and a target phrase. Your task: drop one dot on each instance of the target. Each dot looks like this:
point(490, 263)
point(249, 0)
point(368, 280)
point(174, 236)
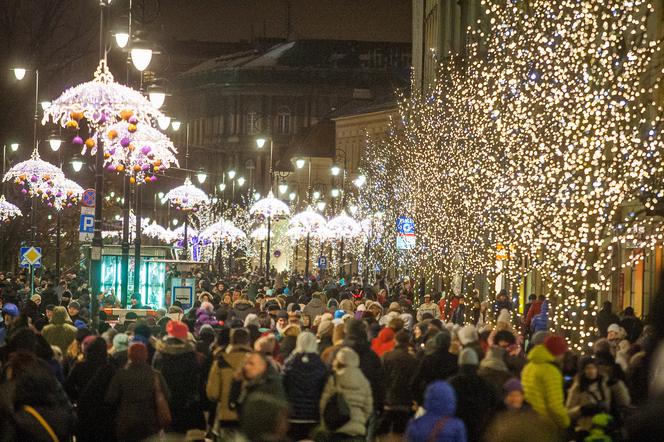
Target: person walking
point(348, 380)
point(542, 381)
point(438, 423)
point(133, 393)
point(304, 377)
point(60, 332)
point(436, 364)
point(428, 307)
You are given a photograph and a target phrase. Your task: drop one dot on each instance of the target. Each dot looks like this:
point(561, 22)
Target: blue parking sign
point(322, 262)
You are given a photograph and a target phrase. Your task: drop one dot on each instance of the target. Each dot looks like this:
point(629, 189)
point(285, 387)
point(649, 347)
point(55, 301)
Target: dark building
point(285, 92)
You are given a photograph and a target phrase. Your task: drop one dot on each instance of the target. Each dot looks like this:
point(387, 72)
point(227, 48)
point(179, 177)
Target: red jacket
point(535, 309)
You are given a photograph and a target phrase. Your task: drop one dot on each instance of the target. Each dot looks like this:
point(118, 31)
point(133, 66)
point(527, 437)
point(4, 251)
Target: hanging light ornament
point(35, 177)
point(308, 221)
point(344, 227)
point(259, 234)
point(138, 150)
point(187, 197)
point(156, 231)
point(100, 102)
point(270, 207)
point(8, 210)
point(66, 193)
point(178, 233)
point(223, 231)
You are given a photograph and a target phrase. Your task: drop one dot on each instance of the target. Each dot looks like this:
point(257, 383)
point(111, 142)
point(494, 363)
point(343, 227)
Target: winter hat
point(325, 329)
point(282, 315)
point(504, 316)
point(36, 299)
point(347, 305)
point(10, 309)
point(347, 357)
point(394, 307)
point(75, 304)
point(361, 308)
point(120, 342)
point(138, 353)
point(468, 334)
point(291, 330)
point(338, 334)
point(513, 384)
point(613, 328)
point(251, 319)
point(306, 343)
point(538, 338)
point(339, 314)
point(468, 356)
point(556, 345)
point(80, 324)
point(177, 329)
point(356, 330)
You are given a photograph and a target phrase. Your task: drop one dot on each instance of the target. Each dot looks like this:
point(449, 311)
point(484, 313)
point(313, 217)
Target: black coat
point(304, 383)
point(399, 366)
point(438, 365)
point(477, 401)
point(604, 319)
point(371, 368)
point(633, 327)
point(182, 370)
point(87, 383)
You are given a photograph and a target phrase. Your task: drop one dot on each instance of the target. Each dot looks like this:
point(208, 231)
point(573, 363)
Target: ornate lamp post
point(269, 207)
point(307, 222)
point(343, 227)
point(187, 198)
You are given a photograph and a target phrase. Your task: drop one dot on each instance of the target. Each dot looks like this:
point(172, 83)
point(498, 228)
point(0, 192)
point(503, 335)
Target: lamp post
point(260, 143)
point(14, 147)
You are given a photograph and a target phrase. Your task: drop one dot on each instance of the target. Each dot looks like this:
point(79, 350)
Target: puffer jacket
point(204, 317)
point(220, 379)
point(540, 321)
point(242, 307)
point(314, 308)
point(304, 377)
point(182, 369)
point(59, 332)
point(542, 384)
point(599, 393)
point(356, 390)
point(440, 405)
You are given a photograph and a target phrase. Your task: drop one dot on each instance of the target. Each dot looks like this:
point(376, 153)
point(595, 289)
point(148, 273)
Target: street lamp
point(320, 205)
point(19, 73)
point(335, 169)
point(156, 95)
point(316, 195)
point(163, 122)
point(55, 143)
point(241, 181)
point(360, 181)
point(222, 186)
point(335, 193)
point(175, 124)
point(231, 174)
point(141, 55)
point(175, 222)
point(257, 196)
point(14, 146)
point(76, 164)
point(283, 187)
point(201, 176)
point(292, 196)
point(260, 141)
point(121, 39)
point(299, 163)
point(353, 209)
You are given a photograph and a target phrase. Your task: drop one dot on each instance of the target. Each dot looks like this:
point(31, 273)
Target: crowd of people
point(294, 359)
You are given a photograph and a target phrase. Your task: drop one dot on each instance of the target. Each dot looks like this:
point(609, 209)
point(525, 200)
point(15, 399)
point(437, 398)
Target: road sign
point(30, 256)
point(405, 233)
point(322, 262)
point(88, 198)
point(86, 226)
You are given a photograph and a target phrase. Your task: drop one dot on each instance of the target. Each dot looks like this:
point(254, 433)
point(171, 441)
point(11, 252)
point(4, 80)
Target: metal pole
point(341, 258)
point(230, 260)
point(124, 260)
point(58, 225)
point(306, 262)
point(267, 255)
point(137, 244)
point(271, 171)
point(97, 243)
point(185, 245)
point(261, 260)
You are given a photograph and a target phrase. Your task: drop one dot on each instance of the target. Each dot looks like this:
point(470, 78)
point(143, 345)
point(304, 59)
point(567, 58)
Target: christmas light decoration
point(8, 211)
point(187, 197)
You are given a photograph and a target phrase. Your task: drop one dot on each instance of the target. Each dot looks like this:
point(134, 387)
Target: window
point(283, 120)
point(252, 124)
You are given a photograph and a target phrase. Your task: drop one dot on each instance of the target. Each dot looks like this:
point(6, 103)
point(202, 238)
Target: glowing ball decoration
point(138, 150)
point(308, 221)
point(343, 227)
point(100, 102)
point(187, 197)
point(66, 193)
point(223, 231)
point(8, 210)
point(270, 207)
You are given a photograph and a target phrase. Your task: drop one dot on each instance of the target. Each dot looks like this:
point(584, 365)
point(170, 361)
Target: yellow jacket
point(220, 378)
point(542, 384)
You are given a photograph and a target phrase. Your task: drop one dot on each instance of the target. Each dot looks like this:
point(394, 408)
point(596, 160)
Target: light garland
point(187, 197)
point(8, 211)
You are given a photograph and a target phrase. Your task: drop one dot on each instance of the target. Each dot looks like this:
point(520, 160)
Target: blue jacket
point(540, 321)
point(439, 401)
point(304, 383)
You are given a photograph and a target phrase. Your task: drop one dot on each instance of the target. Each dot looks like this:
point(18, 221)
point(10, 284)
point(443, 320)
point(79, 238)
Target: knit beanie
point(325, 329)
point(468, 334)
point(138, 353)
point(513, 384)
point(120, 342)
point(556, 345)
point(177, 329)
point(468, 356)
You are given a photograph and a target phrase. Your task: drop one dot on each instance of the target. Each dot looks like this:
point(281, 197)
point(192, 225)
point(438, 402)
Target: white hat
point(613, 328)
point(504, 316)
point(468, 334)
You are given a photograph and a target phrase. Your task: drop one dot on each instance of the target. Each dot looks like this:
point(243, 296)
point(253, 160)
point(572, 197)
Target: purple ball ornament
point(133, 120)
point(59, 194)
point(124, 142)
point(145, 167)
point(24, 191)
point(153, 179)
point(145, 150)
point(110, 168)
point(102, 119)
point(34, 178)
point(68, 204)
point(77, 140)
point(111, 151)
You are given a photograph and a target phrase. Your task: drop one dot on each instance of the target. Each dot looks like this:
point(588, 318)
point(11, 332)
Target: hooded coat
point(304, 377)
point(204, 317)
point(182, 370)
point(356, 390)
point(477, 400)
point(370, 364)
point(436, 364)
point(542, 383)
point(314, 308)
point(242, 307)
point(494, 370)
point(440, 405)
point(540, 321)
point(384, 342)
point(220, 379)
point(398, 367)
point(59, 332)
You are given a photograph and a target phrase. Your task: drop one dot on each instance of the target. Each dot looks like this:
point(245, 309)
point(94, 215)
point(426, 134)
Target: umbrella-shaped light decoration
point(8, 210)
point(223, 231)
point(138, 150)
point(178, 233)
point(35, 176)
point(67, 193)
point(269, 208)
point(309, 223)
point(260, 233)
point(343, 227)
point(156, 231)
point(101, 102)
point(187, 198)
